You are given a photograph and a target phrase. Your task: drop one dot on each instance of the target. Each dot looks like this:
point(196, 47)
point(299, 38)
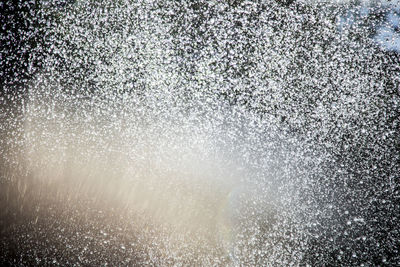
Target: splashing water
point(205, 133)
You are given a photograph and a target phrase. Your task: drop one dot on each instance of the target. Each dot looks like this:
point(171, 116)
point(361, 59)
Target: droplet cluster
point(244, 133)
